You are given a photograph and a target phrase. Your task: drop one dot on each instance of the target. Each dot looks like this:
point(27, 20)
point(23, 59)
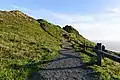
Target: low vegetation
point(110, 70)
point(25, 43)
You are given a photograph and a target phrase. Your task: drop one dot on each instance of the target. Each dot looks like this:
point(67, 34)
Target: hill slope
point(109, 70)
point(22, 41)
point(75, 36)
point(53, 30)
point(26, 42)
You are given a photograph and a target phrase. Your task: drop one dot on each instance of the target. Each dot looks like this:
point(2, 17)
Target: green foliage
point(109, 70)
point(25, 43)
point(80, 40)
point(51, 29)
point(70, 29)
point(23, 40)
point(75, 36)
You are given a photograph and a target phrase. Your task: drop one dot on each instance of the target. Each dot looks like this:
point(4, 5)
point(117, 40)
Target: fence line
point(101, 52)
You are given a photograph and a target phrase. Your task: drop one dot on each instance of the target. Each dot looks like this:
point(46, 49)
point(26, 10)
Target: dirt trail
point(67, 66)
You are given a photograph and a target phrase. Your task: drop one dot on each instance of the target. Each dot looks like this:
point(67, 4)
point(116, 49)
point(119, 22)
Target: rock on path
point(67, 66)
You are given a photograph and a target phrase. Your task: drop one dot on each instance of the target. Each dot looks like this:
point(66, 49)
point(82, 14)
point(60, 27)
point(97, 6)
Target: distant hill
point(70, 29)
point(75, 36)
point(24, 40)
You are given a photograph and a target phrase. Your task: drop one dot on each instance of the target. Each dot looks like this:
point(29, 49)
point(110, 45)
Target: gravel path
point(66, 66)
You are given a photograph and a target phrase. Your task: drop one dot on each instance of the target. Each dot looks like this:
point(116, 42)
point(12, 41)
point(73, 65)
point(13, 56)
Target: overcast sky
point(94, 19)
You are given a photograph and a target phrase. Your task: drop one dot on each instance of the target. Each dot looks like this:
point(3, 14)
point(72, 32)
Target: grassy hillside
point(75, 36)
point(53, 30)
point(23, 41)
point(26, 42)
point(110, 70)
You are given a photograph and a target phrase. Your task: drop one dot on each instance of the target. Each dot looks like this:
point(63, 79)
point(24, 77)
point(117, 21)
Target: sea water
point(110, 45)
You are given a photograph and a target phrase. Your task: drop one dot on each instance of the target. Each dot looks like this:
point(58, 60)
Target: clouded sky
point(94, 19)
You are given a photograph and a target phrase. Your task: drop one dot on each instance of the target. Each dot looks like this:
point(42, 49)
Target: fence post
point(103, 49)
point(99, 55)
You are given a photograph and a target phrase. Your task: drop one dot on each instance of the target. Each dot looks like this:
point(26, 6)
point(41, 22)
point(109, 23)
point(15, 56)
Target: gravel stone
point(66, 66)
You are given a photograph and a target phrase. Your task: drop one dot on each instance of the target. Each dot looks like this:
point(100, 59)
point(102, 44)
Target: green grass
point(110, 70)
point(23, 41)
point(54, 30)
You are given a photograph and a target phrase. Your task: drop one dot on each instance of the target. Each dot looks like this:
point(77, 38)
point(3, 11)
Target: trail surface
point(67, 66)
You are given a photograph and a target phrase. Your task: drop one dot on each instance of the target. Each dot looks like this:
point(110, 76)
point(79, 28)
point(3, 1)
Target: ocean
point(110, 45)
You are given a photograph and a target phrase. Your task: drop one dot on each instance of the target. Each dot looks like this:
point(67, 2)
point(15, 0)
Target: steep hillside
point(23, 41)
point(70, 29)
point(26, 43)
point(75, 36)
point(110, 70)
point(53, 30)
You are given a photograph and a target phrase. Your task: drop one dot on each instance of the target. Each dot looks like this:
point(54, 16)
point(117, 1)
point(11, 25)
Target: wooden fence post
point(103, 49)
point(99, 54)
